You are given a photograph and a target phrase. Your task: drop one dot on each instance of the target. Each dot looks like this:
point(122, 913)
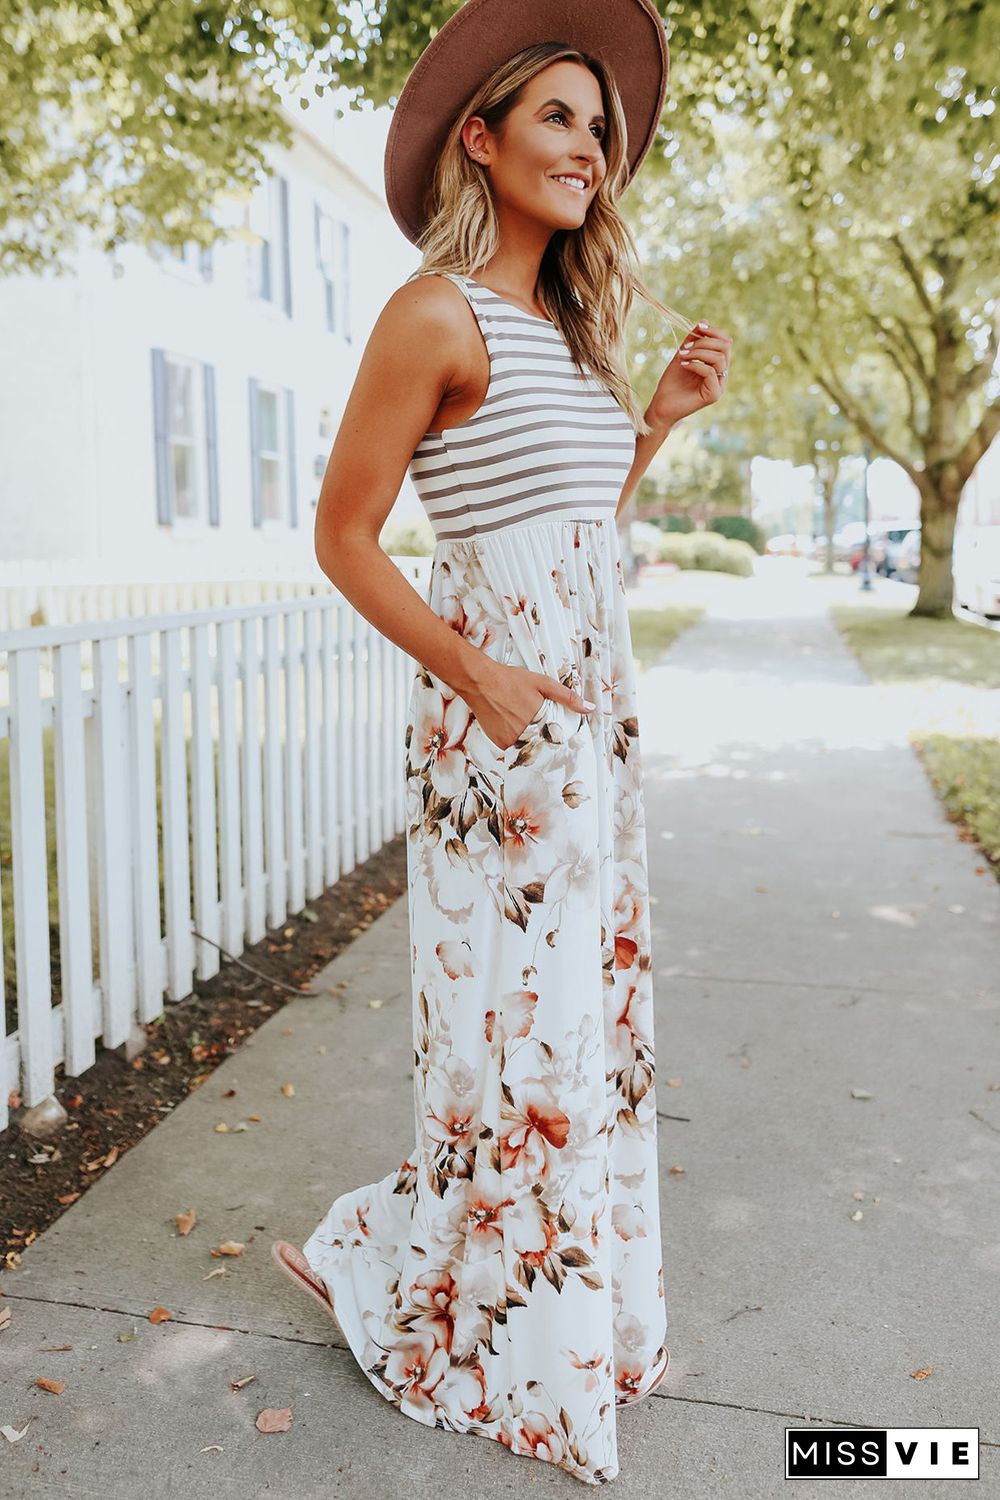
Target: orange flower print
point(537, 1128)
point(505, 1281)
point(438, 739)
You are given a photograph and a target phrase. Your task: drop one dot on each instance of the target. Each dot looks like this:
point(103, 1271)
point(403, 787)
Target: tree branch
point(913, 271)
point(977, 442)
point(889, 347)
point(856, 413)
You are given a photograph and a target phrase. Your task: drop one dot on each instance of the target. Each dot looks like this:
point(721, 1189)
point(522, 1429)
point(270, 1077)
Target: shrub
point(407, 538)
point(740, 528)
point(707, 552)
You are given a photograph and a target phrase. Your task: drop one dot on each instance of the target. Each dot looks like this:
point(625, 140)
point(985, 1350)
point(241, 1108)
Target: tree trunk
point(936, 586)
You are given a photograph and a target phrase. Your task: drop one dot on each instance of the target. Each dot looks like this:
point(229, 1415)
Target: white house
point(169, 416)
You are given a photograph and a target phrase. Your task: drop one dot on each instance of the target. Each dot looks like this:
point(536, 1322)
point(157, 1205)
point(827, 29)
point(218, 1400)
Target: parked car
point(885, 547)
point(899, 546)
point(856, 548)
point(906, 558)
point(976, 561)
point(847, 539)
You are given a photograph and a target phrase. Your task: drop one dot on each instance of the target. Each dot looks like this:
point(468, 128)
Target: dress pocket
point(498, 750)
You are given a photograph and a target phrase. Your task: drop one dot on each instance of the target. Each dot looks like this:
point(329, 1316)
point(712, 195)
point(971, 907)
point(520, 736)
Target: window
point(270, 251)
point(272, 454)
point(184, 439)
point(333, 259)
point(192, 260)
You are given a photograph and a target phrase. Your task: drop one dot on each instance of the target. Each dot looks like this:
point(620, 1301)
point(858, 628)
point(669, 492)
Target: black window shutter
point(293, 498)
point(286, 259)
point(211, 446)
point(254, 455)
point(161, 421)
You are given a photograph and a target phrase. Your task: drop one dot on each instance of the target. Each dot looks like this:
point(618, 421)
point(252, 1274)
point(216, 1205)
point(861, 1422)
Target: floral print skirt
point(506, 1278)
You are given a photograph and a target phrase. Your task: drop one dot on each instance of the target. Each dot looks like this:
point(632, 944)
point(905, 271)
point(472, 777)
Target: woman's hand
point(695, 377)
point(510, 698)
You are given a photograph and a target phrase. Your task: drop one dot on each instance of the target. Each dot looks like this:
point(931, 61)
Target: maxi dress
point(506, 1278)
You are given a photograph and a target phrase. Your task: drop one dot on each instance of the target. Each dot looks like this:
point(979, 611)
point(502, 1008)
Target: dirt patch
point(116, 1102)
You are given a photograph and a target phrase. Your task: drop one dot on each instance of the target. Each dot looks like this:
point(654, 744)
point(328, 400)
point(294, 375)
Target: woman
point(505, 1279)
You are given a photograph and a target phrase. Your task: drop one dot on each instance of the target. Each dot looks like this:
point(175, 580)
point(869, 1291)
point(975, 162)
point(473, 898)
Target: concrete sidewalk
point(818, 928)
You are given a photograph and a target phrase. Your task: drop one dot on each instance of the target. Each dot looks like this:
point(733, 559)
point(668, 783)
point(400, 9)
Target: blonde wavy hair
point(588, 276)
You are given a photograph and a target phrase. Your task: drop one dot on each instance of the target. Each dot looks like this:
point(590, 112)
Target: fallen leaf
point(126, 1338)
point(67, 1197)
point(856, 1215)
point(55, 1386)
point(676, 1169)
point(219, 1271)
point(12, 1435)
point(222, 1127)
point(674, 1083)
point(4, 1317)
point(288, 1089)
point(160, 1315)
point(921, 1374)
point(255, 1118)
point(212, 1448)
point(186, 1221)
point(229, 1247)
point(237, 1385)
point(274, 1419)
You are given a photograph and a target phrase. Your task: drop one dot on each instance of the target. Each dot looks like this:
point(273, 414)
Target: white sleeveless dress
point(505, 1279)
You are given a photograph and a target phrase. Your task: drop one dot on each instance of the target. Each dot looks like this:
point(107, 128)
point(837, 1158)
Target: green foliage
point(676, 523)
point(407, 538)
point(742, 527)
point(128, 119)
point(707, 552)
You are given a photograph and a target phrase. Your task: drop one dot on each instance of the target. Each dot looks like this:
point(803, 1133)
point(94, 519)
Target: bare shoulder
point(428, 307)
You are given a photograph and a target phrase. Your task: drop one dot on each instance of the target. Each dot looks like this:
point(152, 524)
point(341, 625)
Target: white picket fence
point(279, 768)
point(67, 591)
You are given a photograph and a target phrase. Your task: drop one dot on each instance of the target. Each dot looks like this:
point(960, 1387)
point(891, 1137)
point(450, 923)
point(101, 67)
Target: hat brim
point(627, 36)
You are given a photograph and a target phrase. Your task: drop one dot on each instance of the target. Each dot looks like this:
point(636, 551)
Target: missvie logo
point(881, 1452)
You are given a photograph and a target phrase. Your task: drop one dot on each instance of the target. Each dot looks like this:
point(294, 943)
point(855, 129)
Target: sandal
point(289, 1258)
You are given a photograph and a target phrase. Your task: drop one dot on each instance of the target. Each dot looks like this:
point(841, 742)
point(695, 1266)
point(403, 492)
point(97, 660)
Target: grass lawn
point(653, 630)
point(948, 674)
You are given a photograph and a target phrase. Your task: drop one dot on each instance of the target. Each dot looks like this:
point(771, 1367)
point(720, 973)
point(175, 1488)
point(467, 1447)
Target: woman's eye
point(558, 114)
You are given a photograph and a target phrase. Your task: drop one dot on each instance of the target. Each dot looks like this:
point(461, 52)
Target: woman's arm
point(647, 444)
point(413, 358)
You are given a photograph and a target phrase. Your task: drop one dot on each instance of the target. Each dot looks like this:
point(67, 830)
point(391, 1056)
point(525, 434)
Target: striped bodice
point(548, 441)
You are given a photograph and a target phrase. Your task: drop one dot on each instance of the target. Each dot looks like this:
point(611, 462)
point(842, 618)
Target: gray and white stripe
point(548, 440)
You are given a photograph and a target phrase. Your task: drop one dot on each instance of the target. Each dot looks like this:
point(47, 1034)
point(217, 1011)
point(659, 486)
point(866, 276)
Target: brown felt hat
point(627, 36)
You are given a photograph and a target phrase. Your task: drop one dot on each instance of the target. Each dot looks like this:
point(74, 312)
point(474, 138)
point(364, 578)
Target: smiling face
point(546, 162)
